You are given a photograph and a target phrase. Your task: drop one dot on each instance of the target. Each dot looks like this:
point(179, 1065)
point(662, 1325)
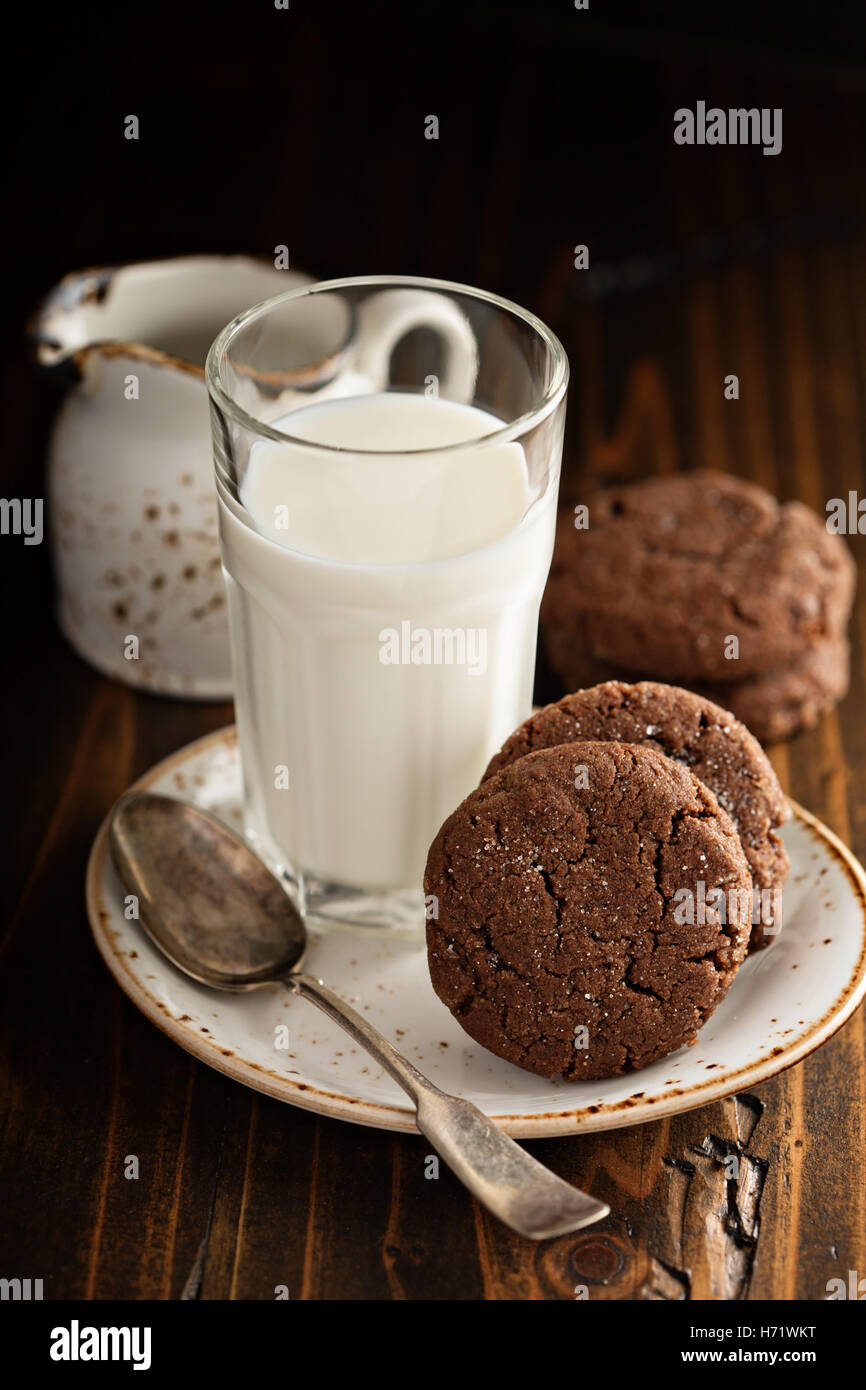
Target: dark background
point(305, 127)
point(261, 127)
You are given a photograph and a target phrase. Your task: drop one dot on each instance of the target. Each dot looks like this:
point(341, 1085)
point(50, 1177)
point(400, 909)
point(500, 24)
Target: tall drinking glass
point(387, 461)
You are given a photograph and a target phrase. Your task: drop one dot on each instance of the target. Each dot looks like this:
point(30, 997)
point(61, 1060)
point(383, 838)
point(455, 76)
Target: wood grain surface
point(747, 264)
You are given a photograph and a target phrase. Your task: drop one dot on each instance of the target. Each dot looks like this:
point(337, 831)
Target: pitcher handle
point(385, 318)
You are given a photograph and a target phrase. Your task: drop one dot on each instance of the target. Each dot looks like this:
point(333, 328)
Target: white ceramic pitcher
point(131, 499)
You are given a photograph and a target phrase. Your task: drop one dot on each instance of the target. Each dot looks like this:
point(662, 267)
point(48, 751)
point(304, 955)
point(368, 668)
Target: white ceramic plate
point(785, 1002)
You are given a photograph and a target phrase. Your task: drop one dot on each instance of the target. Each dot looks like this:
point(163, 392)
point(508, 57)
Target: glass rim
point(513, 429)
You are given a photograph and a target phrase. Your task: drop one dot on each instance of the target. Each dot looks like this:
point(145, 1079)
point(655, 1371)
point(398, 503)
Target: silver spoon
point(210, 905)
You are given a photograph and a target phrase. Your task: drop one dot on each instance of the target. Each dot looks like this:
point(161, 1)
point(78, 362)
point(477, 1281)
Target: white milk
point(383, 614)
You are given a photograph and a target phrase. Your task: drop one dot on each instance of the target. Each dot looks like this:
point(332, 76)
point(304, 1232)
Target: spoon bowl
point(204, 898)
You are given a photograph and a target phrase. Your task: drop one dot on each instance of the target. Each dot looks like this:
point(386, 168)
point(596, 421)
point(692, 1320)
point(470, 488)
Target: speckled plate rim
point(549, 1124)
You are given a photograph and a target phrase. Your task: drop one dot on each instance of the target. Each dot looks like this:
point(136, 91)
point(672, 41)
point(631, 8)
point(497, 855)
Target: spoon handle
point(509, 1181)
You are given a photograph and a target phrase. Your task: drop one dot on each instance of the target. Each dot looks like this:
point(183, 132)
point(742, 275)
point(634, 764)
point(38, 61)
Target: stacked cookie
point(705, 580)
point(597, 893)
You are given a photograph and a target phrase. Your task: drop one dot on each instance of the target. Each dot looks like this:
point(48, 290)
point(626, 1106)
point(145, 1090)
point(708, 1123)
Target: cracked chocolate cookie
point(593, 909)
point(704, 737)
point(669, 569)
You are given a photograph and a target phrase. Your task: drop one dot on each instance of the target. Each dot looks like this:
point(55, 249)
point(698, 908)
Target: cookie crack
point(547, 880)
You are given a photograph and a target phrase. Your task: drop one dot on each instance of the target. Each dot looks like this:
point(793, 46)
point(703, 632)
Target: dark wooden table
point(755, 265)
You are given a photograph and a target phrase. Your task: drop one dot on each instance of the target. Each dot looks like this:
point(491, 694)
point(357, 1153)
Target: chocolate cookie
point(670, 569)
point(690, 729)
point(787, 701)
point(776, 705)
point(593, 907)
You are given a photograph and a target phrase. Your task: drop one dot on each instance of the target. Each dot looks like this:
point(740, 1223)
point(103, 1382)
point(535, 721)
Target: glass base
point(328, 906)
point(373, 912)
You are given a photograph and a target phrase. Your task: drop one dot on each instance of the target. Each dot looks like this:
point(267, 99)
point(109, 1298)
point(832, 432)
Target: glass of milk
point(387, 462)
